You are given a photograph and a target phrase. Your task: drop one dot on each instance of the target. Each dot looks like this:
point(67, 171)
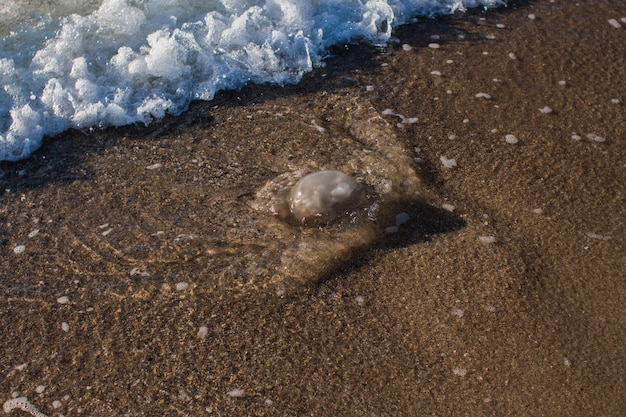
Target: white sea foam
point(81, 64)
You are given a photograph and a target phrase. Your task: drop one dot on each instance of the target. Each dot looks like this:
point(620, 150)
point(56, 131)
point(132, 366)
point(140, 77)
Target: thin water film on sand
point(220, 214)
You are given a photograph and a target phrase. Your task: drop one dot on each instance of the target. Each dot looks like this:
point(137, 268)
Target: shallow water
point(157, 234)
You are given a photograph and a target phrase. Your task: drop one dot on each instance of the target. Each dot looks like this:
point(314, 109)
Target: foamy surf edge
point(134, 62)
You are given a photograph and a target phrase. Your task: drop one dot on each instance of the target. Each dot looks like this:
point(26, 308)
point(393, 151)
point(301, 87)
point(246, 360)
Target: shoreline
point(503, 294)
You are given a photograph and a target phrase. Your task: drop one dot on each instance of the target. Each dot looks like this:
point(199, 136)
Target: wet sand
point(136, 279)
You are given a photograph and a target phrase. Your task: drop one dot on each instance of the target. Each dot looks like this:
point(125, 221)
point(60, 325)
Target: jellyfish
point(310, 198)
point(321, 193)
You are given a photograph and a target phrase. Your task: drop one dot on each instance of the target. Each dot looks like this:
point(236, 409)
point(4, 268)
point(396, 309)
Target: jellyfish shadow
point(425, 222)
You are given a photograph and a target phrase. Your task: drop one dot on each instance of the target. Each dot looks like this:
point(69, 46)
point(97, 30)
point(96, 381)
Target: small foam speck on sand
point(483, 95)
point(65, 327)
point(138, 271)
point(448, 207)
point(19, 249)
point(615, 23)
point(23, 404)
point(447, 162)
point(487, 239)
point(317, 127)
point(236, 393)
point(459, 371)
point(203, 332)
point(181, 286)
point(360, 300)
point(512, 139)
point(545, 110)
point(595, 138)
point(434, 45)
point(33, 233)
point(406, 47)
point(512, 55)
point(154, 166)
point(63, 299)
point(598, 236)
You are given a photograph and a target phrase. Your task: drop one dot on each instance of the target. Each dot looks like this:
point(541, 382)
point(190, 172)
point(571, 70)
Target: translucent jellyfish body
point(301, 197)
point(321, 193)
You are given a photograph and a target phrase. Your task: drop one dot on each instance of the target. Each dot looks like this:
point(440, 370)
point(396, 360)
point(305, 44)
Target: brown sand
point(430, 321)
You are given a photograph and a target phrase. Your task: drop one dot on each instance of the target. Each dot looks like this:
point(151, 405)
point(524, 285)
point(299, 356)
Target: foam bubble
point(448, 207)
point(545, 110)
point(63, 299)
point(236, 393)
point(203, 332)
point(23, 404)
point(448, 163)
point(615, 23)
point(595, 138)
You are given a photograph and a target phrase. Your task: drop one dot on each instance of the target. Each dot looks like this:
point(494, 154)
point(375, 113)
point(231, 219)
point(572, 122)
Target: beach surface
point(137, 277)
